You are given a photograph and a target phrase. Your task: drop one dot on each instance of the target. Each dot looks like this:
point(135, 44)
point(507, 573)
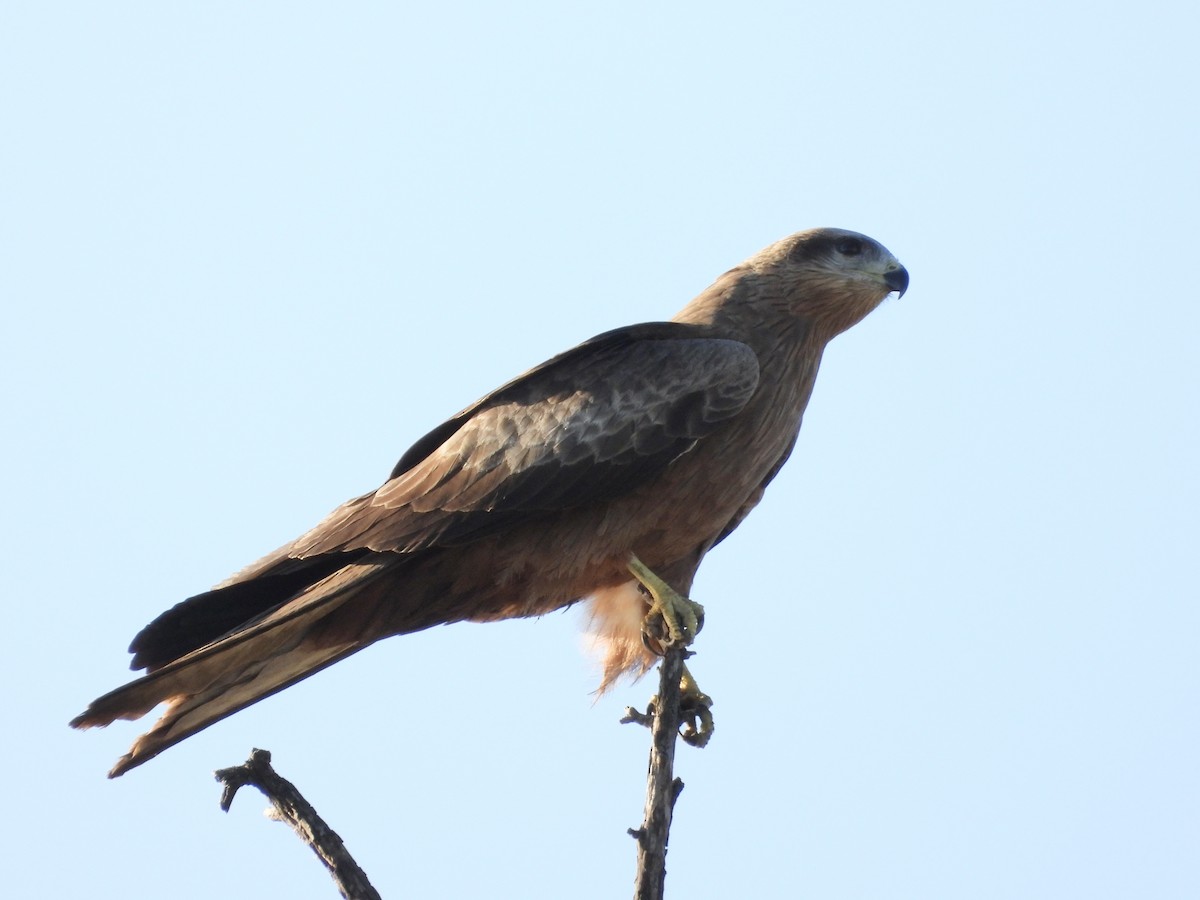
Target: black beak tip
point(897, 279)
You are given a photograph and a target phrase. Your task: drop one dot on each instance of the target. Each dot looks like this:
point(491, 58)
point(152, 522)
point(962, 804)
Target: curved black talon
point(696, 720)
point(655, 633)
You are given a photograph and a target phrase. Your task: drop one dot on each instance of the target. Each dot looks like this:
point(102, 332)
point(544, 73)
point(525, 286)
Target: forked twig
point(287, 805)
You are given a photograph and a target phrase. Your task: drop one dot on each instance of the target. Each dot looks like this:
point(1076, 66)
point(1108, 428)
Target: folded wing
point(591, 424)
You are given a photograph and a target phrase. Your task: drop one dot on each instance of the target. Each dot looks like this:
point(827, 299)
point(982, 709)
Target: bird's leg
point(681, 619)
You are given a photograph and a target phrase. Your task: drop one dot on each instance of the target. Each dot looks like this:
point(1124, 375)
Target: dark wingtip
point(83, 721)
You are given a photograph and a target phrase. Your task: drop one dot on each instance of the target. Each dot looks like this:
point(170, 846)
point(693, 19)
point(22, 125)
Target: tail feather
point(202, 619)
point(269, 654)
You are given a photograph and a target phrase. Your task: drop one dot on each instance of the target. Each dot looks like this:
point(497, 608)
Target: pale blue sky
point(249, 252)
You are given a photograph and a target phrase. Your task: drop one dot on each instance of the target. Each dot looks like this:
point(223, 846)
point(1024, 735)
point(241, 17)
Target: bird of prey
point(627, 457)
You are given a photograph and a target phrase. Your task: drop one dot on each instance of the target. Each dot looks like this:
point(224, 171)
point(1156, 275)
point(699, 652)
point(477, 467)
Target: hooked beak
point(897, 279)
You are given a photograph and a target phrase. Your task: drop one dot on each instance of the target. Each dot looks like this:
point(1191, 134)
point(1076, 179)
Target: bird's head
point(823, 281)
point(832, 276)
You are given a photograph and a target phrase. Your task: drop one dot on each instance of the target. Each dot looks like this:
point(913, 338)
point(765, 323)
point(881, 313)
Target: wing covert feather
point(592, 423)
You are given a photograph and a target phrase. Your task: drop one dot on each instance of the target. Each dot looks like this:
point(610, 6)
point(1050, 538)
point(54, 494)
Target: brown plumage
point(654, 440)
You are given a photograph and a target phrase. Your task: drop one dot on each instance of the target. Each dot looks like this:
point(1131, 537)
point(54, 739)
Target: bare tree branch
point(669, 715)
point(287, 805)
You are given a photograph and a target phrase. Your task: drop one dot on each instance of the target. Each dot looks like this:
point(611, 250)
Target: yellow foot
point(695, 711)
point(673, 619)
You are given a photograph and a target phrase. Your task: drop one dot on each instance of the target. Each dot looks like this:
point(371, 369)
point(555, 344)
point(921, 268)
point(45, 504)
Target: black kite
point(654, 440)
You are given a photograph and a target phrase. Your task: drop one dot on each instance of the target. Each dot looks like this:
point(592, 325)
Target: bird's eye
point(850, 247)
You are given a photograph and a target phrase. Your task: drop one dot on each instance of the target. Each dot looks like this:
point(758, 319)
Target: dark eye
point(849, 247)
